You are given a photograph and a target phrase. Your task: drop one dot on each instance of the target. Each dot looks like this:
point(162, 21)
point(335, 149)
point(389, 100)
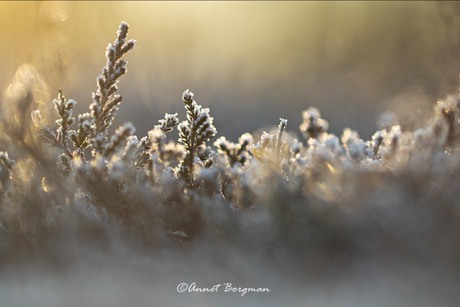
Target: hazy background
point(251, 62)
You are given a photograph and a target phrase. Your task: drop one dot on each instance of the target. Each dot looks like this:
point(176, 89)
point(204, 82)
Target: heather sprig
point(142, 149)
point(165, 152)
point(279, 136)
point(262, 150)
point(105, 101)
point(391, 141)
point(168, 122)
point(64, 108)
point(118, 139)
point(235, 152)
point(64, 164)
point(353, 144)
point(205, 156)
point(375, 143)
point(80, 138)
point(142, 153)
point(193, 133)
point(154, 140)
point(59, 137)
point(313, 125)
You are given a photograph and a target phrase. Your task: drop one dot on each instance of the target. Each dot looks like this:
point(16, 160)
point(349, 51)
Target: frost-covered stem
point(105, 101)
point(168, 122)
point(244, 143)
point(191, 144)
point(234, 152)
point(142, 152)
point(193, 133)
point(63, 108)
point(281, 128)
point(121, 135)
point(81, 136)
point(313, 125)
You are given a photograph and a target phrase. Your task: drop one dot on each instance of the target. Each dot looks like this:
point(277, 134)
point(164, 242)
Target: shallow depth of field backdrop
point(252, 63)
point(249, 62)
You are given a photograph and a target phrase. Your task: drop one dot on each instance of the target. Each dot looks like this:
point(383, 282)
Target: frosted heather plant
point(81, 137)
point(64, 109)
point(168, 123)
point(279, 136)
point(262, 149)
point(353, 144)
point(234, 152)
point(60, 136)
point(327, 146)
point(118, 139)
point(154, 140)
point(105, 100)
point(323, 197)
point(375, 144)
point(158, 156)
point(390, 142)
point(313, 125)
point(193, 134)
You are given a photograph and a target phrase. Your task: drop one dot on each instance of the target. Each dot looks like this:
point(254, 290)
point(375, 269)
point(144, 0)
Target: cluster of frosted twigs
point(70, 178)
